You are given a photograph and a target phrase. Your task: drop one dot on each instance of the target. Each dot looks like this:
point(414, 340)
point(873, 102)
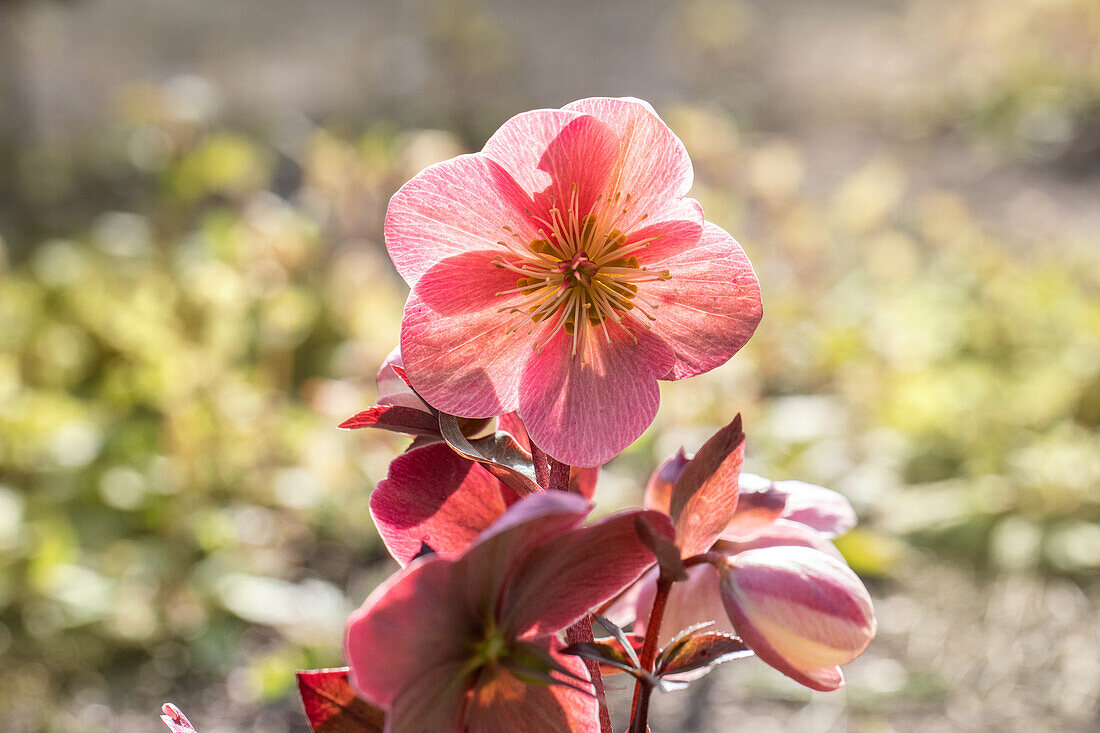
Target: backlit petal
point(459, 205)
point(586, 412)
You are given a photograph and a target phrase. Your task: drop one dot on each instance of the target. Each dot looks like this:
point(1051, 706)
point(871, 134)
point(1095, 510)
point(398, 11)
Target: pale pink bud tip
point(175, 719)
point(802, 611)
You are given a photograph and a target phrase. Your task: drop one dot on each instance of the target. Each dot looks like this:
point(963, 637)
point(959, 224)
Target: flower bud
point(392, 389)
point(802, 611)
point(658, 492)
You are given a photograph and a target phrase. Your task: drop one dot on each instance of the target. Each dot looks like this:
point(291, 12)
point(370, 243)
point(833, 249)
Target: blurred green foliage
point(178, 511)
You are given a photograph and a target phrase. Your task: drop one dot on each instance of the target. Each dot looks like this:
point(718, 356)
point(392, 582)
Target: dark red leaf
point(699, 650)
point(332, 706)
point(396, 418)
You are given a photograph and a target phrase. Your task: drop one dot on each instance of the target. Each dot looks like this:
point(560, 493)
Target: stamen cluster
point(581, 272)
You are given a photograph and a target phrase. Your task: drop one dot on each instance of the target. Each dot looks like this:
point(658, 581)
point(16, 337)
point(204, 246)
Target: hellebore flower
point(456, 644)
point(782, 586)
point(560, 273)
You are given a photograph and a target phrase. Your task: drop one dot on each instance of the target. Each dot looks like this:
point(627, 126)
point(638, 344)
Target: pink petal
point(584, 480)
point(490, 562)
point(709, 306)
point(654, 167)
point(549, 151)
point(586, 412)
point(415, 622)
point(800, 610)
point(693, 601)
point(456, 346)
point(759, 504)
point(434, 701)
point(570, 574)
point(457, 206)
point(815, 506)
point(500, 702)
point(434, 496)
point(658, 492)
point(705, 495)
point(778, 533)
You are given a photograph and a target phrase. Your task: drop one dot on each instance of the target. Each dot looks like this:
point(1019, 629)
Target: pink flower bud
point(802, 611)
point(392, 389)
point(658, 492)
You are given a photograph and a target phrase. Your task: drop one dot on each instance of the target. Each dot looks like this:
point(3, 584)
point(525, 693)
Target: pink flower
point(560, 273)
point(447, 644)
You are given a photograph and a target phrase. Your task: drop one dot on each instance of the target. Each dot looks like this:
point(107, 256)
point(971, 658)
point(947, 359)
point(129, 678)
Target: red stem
point(559, 475)
point(582, 632)
point(643, 688)
point(542, 465)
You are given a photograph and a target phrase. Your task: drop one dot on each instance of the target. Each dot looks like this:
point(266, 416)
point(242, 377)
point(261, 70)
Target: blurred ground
point(193, 292)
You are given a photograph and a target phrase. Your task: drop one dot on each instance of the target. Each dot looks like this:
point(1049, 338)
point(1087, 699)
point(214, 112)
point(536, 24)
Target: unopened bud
point(802, 611)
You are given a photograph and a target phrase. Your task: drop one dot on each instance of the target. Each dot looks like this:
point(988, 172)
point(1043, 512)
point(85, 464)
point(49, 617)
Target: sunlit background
point(194, 292)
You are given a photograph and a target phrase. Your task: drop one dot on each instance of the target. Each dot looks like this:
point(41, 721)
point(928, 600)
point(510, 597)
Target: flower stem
point(559, 476)
point(542, 465)
point(644, 688)
point(582, 632)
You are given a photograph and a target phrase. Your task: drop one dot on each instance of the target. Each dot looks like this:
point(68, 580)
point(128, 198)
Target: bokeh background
point(194, 292)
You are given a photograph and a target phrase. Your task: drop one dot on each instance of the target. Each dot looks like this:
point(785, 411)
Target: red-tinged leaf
point(501, 455)
point(176, 721)
point(705, 496)
point(663, 548)
point(395, 418)
point(700, 650)
point(332, 706)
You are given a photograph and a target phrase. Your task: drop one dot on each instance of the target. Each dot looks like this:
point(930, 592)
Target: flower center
point(581, 273)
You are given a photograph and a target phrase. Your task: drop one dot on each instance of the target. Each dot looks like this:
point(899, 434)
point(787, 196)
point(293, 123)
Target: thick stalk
point(542, 465)
point(582, 630)
point(559, 475)
point(643, 688)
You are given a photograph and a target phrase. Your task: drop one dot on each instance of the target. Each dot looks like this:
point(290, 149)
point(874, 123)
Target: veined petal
point(586, 412)
point(549, 151)
point(459, 205)
point(501, 702)
point(653, 165)
point(432, 495)
point(709, 306)
point(490, 562)
point(457, 348)
point(433, 702)
point(815, 506)
point(415, 622)
point(570, 574)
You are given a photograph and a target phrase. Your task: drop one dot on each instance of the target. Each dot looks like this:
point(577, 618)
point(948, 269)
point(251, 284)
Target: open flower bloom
point(784, 589)
point(447, 644)
point(560, 273)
